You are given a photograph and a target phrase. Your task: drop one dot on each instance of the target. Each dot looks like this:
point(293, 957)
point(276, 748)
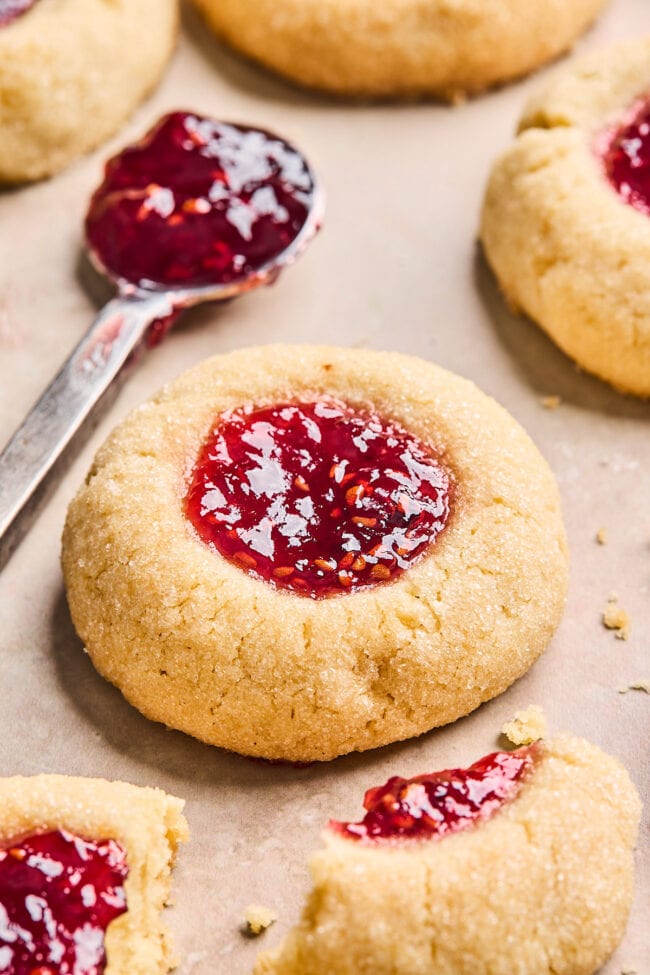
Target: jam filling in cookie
point(431, 806)
point(58, 894)
point(627, 158)
point(319, 498)
point(11, 9)
point(198, 202)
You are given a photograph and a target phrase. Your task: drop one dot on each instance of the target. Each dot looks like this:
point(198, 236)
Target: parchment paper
point(396, 267)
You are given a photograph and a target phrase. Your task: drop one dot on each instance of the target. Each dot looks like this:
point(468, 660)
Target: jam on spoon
point(12, 9)
point(432, 806)
point(319, 498)
point(198, 202)
point(626, 157)
point(58, 894)
point(197, 211)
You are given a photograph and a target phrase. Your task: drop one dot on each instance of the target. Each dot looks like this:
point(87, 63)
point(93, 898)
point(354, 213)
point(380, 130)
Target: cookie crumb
point(258, 919)
point(526, 727)
point(615, 618)
point(601, 536)
point(550, 402)
point(638, 685)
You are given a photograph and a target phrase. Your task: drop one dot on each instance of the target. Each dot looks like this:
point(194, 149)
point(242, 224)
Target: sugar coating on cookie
point(566, 217)
point(85, 870)
point(71, 72)
point(400, 47)
point(222, 646)
point(543, 883)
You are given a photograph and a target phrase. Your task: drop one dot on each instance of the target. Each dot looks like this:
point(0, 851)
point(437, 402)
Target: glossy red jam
point(58, 894)
point(319, 498)
point(198, 202)
point(627, 158)
point(431, 806)
point(10, 10)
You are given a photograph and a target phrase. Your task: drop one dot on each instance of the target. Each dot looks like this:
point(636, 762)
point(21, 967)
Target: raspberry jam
point(198, 202)
point(431, 806)
point(58, 894)
point(627, 158)
point(10, 10)
point(319, 498)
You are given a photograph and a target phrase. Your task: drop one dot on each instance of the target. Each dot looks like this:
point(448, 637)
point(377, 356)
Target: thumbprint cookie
point(400, 47)
point(566, 218)
point(85, 869)
point(71, 72)
point(298, 552)
point(520, 863)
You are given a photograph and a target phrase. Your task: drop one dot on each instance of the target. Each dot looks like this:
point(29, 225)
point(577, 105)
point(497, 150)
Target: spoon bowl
point(249, 194)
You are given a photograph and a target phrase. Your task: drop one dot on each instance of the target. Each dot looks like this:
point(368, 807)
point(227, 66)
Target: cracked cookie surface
point(568, 248)
point(196, 642)
point(544, 885)
point(400, 47)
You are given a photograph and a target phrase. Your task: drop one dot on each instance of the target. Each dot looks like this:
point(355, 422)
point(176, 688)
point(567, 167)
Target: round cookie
point(196, 641)
point(543, 883)
point(400, 47)
point(566, 234)
point(71, 72)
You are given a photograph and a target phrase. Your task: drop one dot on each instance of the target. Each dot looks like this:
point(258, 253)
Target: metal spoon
point(118, 329)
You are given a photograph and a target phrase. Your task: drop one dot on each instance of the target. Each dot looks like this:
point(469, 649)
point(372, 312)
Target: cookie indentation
point(627, 158)
point(58, 894)
point(319, 498)
point(431, 806)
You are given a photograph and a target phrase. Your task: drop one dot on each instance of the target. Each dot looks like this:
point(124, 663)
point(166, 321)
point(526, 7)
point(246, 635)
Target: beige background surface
point(395, 267)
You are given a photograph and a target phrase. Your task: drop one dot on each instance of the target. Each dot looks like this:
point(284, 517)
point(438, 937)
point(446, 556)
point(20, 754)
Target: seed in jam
point(11, 10)
point(58, 894)
point(319, 498)
point(432, 806)
point(627, 158)
point(198, 202)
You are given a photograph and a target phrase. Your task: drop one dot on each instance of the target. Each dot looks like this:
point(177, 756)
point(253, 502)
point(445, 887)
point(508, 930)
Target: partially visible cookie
point(400, 47)
point(71, 72)
point(295, 552)
point(566, 217)
point(85, 870)
point(521, 863)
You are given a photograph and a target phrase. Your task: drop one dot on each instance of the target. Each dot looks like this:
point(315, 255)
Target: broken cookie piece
point(520, 863)
point(615, 618)
point(258, 918)
point(85, 869)
point(526, 727)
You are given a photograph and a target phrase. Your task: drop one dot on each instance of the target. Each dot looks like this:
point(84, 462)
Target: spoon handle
point(53, 421)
